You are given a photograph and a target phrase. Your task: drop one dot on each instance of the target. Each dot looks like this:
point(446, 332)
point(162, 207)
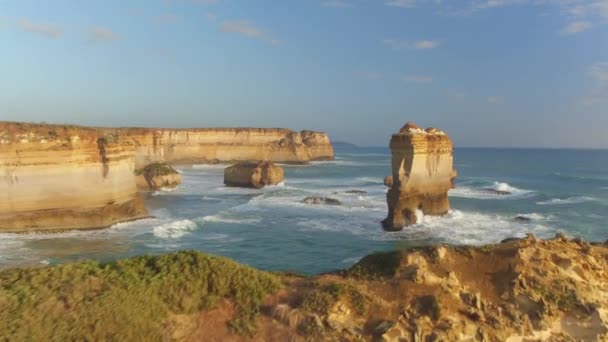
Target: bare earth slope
point(518, 290)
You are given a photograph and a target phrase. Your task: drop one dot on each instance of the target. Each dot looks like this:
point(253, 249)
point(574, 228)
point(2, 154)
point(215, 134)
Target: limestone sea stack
point(65, 177)
point(157, 176)
point(422, 172)
point(253, 175)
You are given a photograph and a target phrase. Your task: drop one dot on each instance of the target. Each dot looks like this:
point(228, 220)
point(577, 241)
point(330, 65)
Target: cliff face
point(217, 145)
point(65, 177)
point(54, 177)
point(422, 174)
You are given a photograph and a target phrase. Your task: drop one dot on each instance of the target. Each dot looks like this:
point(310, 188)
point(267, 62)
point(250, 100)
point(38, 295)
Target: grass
point(126, 300)
point(321, 300)
point(156, 169)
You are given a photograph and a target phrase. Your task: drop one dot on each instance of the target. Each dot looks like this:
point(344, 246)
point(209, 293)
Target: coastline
point(511, 291)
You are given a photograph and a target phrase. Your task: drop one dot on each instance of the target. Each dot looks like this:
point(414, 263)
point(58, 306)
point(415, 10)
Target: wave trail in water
point(569, 200)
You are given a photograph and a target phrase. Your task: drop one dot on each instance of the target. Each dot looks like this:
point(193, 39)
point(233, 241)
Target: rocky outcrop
point(65, 177)
point(253, 175)
point(422, 172)
point(157, 176)
point(228, 145)
point(321, 201)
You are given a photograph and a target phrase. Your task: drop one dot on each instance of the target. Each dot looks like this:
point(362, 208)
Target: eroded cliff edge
point(227, 145)
point(65, 177)
point(517, 290)
point(422, 175)
point(73, 177)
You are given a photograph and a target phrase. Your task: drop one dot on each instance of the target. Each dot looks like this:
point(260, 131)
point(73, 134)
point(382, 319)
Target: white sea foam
point(569, 200)
point(175, 229)
point(222, 218)
point(498, 190)
point(471, 228)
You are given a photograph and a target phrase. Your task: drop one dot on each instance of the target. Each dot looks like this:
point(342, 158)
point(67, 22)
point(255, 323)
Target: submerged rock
point(423, 173)
point(522, 218)
point(321, 200)
point(157, 176)
point(253, 175)
point(358, 192)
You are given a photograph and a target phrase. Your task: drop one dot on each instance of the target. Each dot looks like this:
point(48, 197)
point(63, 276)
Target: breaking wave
point(174, 230)
point(499, 190)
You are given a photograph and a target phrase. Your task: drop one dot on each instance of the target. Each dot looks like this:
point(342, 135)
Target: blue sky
point(523, 73)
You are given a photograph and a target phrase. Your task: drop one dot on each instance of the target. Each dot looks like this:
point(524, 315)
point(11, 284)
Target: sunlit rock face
point(65, 177)
point(157, 176)
point(228, 145)
point(253, 175)
point(422, 172)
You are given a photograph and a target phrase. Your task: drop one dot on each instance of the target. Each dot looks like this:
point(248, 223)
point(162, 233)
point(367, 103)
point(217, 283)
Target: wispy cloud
point(418, 79)
point(99, 34)
point(337, 4)
point(248, 29)
point(42, 29)
point(576, 27)
point(598, 73)
point(401, 3)
point(397, 44)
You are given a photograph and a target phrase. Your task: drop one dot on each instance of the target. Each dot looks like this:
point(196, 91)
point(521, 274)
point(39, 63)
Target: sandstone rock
point(422, 165)
point(157, 176)
point(388, 181)
point(321, 200)
point(253, 175)
point(65, 177)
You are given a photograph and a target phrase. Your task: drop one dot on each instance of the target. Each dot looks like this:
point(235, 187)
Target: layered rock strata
point(228, 145)
point(73, 177)
point(422, 175)
point(253, 175)
point(157, 176)
point(65, 177)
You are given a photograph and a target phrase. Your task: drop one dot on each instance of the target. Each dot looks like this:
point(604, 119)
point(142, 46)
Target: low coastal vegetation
point(156, 169)
point(127, 300)
point(516, 290)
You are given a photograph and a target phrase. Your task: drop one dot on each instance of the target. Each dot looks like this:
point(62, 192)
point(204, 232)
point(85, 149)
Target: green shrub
point(126, 300)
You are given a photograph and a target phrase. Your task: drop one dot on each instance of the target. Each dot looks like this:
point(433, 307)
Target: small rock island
point(422, 175)
point(253, 175)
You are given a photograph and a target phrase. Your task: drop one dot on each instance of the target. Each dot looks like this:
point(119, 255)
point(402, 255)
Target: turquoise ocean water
point(555, 190)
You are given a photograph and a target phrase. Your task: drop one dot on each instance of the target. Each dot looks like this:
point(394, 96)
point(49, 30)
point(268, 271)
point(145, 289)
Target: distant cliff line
point(76, 177)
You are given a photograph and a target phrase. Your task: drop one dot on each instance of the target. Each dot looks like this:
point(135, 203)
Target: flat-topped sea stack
point(422, 175)
point(253, 175)
point(65, 177)
point(157, 176)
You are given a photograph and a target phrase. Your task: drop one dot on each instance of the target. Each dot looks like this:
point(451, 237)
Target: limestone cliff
point(422, 173)
point(226, 145)
point(64, 177)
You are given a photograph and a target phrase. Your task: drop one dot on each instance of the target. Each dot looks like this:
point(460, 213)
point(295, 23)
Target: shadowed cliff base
point(517, 290)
